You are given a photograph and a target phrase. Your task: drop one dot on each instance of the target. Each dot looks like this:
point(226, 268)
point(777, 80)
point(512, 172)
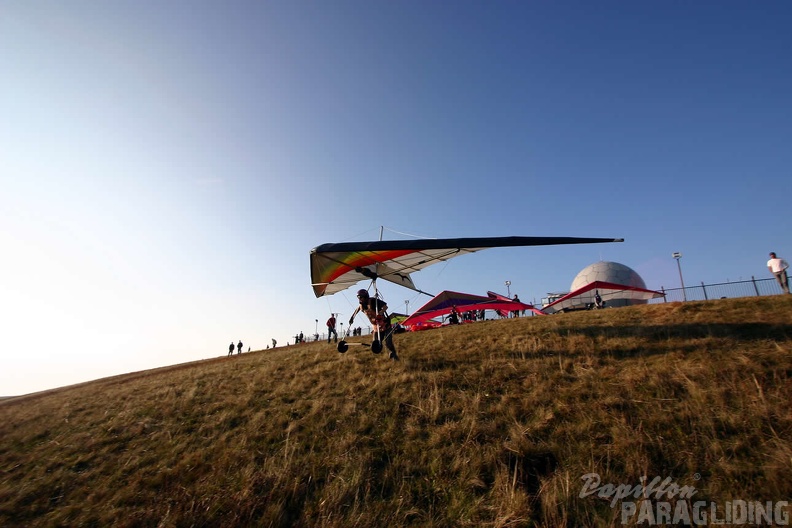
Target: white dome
point(608, 272)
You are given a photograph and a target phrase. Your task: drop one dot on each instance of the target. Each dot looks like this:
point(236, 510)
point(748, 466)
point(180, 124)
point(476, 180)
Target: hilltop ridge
point(491, 423)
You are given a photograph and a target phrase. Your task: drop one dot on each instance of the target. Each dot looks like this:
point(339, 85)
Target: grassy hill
point(487, 424)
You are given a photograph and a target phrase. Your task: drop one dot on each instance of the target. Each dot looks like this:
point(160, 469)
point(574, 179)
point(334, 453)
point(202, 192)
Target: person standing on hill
point(453, 315)
point(231, 348)
point(331, 329)
point(778, 267)
point(375, 309)
point(239, 347)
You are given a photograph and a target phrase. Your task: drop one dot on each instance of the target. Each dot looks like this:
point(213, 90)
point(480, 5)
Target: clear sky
point(167, 166)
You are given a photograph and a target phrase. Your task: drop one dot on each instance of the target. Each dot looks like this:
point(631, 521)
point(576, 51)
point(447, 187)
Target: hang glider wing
point(336, 267)
point(608, 291)
point(442, 303)
point(500, 297)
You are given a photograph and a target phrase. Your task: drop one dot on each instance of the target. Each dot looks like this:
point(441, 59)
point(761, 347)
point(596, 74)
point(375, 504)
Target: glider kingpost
point(336, 267)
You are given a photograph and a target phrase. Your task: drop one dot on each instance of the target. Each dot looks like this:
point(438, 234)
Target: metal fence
point(723, 290)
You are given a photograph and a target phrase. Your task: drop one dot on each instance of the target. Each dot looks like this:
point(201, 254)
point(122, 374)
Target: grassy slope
point(492, 423)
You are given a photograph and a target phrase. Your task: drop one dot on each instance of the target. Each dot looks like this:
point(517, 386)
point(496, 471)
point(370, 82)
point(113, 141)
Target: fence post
point(753, 279)
point(705, 291)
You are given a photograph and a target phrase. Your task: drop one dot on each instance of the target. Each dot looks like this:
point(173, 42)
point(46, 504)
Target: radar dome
point(610, 272)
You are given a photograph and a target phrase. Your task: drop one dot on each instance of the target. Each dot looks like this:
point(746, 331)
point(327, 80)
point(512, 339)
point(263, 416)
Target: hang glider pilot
point(375, 309)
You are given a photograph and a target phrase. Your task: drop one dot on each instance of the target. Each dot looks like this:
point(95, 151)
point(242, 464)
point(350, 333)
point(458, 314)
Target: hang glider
point(442, 303)
point(336, 267)
point(499, 297)
point(608, 291)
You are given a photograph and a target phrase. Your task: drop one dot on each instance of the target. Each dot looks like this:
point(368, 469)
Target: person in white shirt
point(778, 267)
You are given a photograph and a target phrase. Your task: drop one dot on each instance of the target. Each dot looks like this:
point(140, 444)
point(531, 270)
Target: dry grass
point(488, 424)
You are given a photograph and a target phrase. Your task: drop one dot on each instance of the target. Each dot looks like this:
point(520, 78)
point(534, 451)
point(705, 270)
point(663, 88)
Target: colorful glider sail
point(336, 267)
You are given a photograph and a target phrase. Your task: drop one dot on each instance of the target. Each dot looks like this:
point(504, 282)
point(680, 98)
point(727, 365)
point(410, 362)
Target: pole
point(678, 256)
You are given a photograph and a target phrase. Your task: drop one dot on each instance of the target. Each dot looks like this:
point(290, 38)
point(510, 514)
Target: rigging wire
point(445, 264)
point(413, 298)
point(408, 234)
point(441, 270)
point(329, 307)
point(352, 238)
point(359, 235)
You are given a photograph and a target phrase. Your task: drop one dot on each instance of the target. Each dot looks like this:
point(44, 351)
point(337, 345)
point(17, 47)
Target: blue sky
point(166, 167)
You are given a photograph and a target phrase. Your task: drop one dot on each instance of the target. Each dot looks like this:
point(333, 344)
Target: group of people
point(375, 310)
point(469, 316)
point(238, 347)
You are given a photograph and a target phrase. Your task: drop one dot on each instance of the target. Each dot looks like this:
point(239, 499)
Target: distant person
point(274, 343)
point(778, 267)
point(516, 313)
point(453, 317)
point(331, 329)
point(376, 311)
point(598, 300)
point(239, 347)
point(231, 348)
point(302, 338)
